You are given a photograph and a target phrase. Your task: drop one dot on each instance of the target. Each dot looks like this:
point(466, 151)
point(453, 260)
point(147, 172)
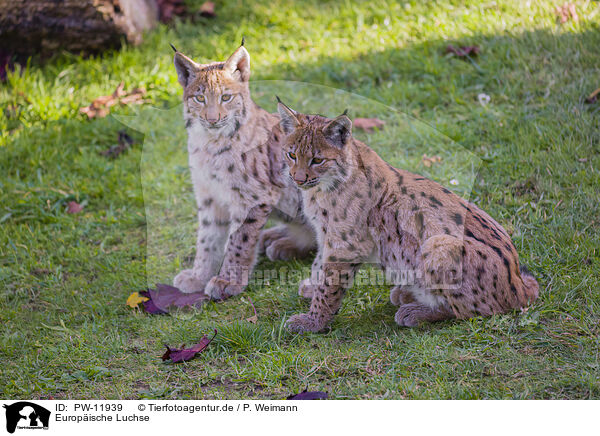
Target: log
point(88, 26)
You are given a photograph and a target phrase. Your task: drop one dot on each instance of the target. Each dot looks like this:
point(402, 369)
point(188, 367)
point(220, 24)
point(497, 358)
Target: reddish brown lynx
point(464, 262)
point(236, 163)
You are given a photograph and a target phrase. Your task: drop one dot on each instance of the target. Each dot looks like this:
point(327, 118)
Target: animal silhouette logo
point(26, 415)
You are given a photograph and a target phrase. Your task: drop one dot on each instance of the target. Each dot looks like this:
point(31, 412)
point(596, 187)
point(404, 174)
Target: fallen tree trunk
point(44, 26)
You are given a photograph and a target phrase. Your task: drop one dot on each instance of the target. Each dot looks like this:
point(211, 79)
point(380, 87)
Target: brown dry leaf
point(169, 9)
point(429, 161)
point(464, 51)
point(74, 207)
point(368, 124)
point(135, 299)
point(208, 10)
point(125, 141)
point(566, 12)
point(593, 97)
point(99, 108)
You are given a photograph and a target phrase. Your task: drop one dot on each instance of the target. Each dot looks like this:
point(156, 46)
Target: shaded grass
point(67, 332)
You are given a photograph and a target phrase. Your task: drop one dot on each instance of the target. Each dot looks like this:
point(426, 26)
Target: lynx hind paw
point(306, 289)
point(268, 236)
point(189, 281)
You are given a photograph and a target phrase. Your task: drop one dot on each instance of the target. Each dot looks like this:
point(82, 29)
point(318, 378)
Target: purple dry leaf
point(149, 305)
point(183, 354)
point(165, 296)
point(305, 395)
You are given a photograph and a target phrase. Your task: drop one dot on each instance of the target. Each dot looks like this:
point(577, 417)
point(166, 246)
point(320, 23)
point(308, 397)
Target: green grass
point(66, 331)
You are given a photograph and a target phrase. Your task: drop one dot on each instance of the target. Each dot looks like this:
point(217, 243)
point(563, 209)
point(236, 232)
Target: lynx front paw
point(189, 281)
point(219, 288)
point(306, 289)
point(304, 323)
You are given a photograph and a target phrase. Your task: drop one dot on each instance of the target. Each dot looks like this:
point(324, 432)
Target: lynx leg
point(400, 295)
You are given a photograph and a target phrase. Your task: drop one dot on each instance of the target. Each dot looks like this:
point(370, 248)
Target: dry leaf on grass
point(74, 207)
point(208, 10)
point(166, 296)
point(169, 9)
point(305, 395)
point(368, 124)
point(125, 141)
point(254, 318)
point(100, 107)
point(464, 51)
point(182, 354)
point(429, 161)
point(593, 97)
point(135, 299)
point(566, 12)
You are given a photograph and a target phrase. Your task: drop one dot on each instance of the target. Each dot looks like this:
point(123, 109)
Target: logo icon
point(26, 415)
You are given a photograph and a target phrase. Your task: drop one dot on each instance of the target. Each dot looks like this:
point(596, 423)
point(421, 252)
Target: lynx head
point(315, 148)
point(215, 95)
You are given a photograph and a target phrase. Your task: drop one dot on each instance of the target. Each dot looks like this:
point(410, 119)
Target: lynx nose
point(212, 120)
point(300, 179)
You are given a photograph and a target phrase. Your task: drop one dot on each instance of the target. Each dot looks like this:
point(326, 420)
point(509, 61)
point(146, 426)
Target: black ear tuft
point(345, 112)
point(173, 47)
point(243, 40)
point(338, 131)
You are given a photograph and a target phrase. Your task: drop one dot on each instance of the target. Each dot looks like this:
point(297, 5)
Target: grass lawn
point(64, 278)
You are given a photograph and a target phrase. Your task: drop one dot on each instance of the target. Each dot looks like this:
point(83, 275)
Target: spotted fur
point(362, 208)
point(236, 164)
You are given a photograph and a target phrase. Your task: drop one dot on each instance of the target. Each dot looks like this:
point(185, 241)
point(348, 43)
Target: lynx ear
point(186, 68)
point(338, 131)
point(288, 122)
point(238, 64)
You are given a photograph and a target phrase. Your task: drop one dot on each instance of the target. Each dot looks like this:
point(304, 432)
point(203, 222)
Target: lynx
point(362, 208)
point(236, 162)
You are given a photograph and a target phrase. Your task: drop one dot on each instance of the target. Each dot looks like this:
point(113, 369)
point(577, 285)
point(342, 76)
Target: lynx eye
point(199, 98)
point(292, 156)
point(226, 97)
point(317, 161)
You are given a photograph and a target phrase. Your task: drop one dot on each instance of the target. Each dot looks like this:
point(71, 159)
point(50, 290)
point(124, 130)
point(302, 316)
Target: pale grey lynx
point(236, 163)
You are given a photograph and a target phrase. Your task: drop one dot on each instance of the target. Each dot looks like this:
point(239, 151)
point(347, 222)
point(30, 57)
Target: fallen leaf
point(149, 305)
point(182, 354)
point(125, 141)
point(368, 124)
point(169, 9)
point(135, 299)
point(208, 10)
point(464, 51)
point(582, 159)
point(593, 97)
point(305, 395)
point(74, 207)
point(429, 161)
point(100, 107)
point(166, 296)
point(483, 99)
point(566, 12)
point(254, 318)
